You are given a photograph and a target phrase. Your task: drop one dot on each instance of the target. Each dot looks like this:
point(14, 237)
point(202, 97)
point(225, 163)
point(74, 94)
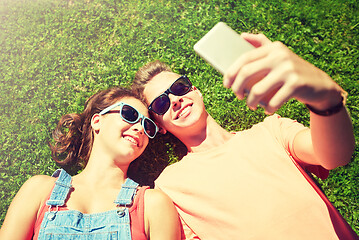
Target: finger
point(235, 68)
point(257, 40)
point(245, 81)
point(281, 86)
point(262, 97)
point(267, 48)
point(285, 93)
point(262, 91)
point(252, 73)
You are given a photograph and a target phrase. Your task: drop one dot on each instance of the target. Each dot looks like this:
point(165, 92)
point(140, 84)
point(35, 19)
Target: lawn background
point(54, 54)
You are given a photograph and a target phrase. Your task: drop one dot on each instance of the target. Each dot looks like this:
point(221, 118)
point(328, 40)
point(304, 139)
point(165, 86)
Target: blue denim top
point(72, 224)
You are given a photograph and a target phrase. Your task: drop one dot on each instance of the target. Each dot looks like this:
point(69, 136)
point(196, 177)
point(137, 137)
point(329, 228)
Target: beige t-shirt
point(248, 188)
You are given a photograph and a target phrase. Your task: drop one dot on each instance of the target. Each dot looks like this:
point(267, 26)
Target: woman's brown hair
point(73, 136)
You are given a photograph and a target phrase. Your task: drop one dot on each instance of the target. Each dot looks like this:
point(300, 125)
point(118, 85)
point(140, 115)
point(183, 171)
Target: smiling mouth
point(132, 140)
point(183, 111)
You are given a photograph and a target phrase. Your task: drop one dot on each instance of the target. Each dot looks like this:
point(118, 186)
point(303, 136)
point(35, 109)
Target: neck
point(103, 170)
point(210, 135)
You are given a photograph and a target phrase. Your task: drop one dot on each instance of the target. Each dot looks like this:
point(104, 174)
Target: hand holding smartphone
point(221, 46)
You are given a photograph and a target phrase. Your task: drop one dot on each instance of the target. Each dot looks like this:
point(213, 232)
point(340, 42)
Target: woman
point(110, 133)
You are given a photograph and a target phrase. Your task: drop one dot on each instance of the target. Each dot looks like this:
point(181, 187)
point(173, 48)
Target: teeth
point(182, 112)
point(131, 139)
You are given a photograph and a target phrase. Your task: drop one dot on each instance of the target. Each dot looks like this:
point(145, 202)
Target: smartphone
point(221, 47)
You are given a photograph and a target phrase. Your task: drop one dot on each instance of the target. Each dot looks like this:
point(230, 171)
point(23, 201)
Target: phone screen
point(221, 46)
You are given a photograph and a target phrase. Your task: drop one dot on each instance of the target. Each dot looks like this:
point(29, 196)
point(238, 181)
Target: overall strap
point(127, 193)
point(61, 189)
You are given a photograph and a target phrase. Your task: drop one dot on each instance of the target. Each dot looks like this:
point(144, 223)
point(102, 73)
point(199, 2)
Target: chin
point(190, 120)
point(128, 157)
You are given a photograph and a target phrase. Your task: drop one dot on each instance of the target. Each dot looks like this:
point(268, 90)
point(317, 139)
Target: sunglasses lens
point(149, 127)
point(129, 113)
point(180, 87)
point(161, 104)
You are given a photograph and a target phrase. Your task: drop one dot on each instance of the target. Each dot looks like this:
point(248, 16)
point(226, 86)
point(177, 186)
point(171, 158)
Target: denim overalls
point(72, 224)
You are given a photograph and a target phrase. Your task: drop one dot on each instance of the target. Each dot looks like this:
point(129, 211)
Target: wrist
point(333, 109)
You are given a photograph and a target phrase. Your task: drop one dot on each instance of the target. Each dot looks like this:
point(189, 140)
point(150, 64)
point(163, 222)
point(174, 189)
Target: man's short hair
point(146, 73)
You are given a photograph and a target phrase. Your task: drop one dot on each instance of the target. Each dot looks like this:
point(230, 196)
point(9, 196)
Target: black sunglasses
point(131, 115)
point(162, 103)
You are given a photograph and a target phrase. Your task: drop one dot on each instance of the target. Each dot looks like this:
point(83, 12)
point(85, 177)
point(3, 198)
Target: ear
point(160, 128)
point(95, 122)
point(197, 91)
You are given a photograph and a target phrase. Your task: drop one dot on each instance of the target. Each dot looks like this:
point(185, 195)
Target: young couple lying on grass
point(251, 184)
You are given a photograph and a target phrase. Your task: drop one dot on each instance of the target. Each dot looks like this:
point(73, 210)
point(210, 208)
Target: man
point(252, 184)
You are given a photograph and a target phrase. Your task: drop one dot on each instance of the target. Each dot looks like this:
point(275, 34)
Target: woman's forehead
point(136, 103)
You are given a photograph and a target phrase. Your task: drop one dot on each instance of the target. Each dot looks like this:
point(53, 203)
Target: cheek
point(157, 119)
point(145, 143)
point(122, 125)
point(165, 121)
point(142, 149)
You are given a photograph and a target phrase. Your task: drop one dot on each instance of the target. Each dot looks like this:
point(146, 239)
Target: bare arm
point(161, 217)
point(22, 213)
point(329, 142)
point(271, 74)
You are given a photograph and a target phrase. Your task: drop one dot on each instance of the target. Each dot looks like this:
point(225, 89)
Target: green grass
point(55, 54)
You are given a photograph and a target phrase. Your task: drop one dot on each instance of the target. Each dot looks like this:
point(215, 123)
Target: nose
point(137, 127)
point(175, 101)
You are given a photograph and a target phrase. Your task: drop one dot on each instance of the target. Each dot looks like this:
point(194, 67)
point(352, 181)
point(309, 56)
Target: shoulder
point(168, 173)
point(161, 217)
point(157, 203)
point(37, 187)
point(272, 121)
point(279, 126)
point(34, 190)
point(156, 198)
point(37, 179)
point(39, 183)
point(276, 119)
point(23, 210)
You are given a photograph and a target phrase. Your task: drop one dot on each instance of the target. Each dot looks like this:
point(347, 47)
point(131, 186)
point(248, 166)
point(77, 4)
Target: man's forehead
point(165, 77)
point(159, 83)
